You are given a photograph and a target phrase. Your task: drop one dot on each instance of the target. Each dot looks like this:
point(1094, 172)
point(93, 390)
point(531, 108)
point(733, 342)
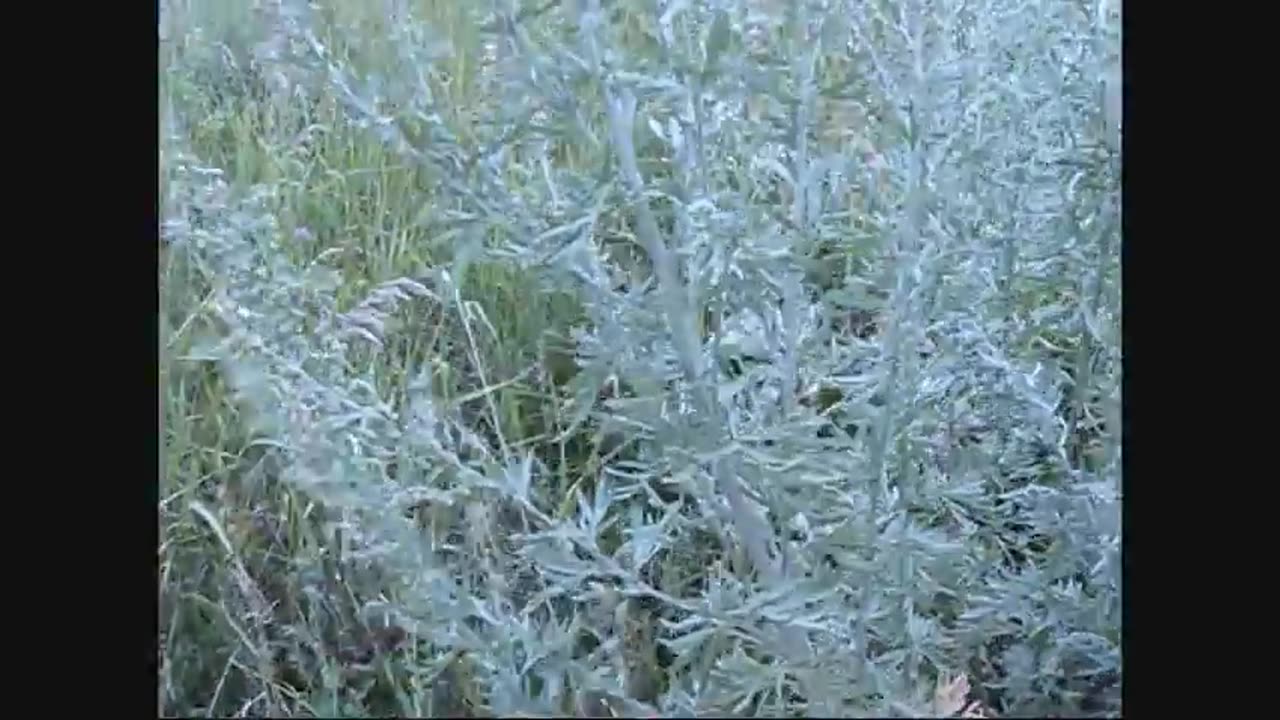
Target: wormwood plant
point(839, 286)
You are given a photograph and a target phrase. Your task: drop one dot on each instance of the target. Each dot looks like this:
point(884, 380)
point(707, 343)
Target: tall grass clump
point(665, 358)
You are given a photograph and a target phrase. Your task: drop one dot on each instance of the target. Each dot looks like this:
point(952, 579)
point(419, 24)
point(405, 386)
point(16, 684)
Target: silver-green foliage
point(969, 524)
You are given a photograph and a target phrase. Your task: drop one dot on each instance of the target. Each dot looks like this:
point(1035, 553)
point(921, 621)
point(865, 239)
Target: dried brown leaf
point(950, 696)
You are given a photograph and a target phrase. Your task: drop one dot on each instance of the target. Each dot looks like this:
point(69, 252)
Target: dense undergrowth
point(739, 357)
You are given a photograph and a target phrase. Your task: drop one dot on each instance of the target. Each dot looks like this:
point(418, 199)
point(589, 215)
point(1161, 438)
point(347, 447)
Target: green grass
point(371, 335)
point(338, 192)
